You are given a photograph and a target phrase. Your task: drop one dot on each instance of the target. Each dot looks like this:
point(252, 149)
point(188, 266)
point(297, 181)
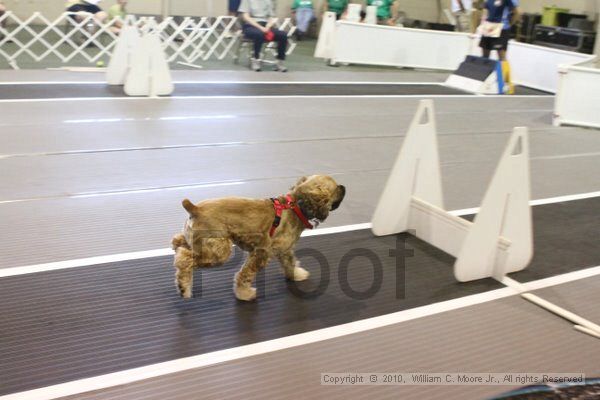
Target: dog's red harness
point(289, 204)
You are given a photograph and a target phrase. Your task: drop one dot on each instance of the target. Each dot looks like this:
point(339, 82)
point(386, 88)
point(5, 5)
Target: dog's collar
point(289, 204)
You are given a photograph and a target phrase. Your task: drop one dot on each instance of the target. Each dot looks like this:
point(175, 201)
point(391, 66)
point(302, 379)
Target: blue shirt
point(500, 10)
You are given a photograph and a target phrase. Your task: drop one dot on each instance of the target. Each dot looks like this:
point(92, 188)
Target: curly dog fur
point(215, 225)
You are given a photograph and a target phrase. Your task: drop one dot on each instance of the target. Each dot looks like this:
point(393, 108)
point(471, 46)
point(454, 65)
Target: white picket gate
point(184, 39)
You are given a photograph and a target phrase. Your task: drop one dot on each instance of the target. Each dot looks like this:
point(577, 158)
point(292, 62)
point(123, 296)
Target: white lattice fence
point(186, 39)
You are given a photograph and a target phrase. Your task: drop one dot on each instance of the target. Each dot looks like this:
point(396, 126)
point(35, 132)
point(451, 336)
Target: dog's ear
point(300, 182)
point(313, 201)
point(189, 207)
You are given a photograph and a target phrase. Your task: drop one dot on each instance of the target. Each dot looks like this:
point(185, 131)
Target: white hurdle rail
point(187, 40)
point(500, 239)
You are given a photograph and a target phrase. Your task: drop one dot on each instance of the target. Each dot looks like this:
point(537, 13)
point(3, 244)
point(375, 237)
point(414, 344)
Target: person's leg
point(233, 7)
point(462, 21)
point(486, 46)
point(101, 16)
point(256, 36)
point(503, 44)
point(475, 20)
point(117, 25)
point(282, 40)
point(77, 11)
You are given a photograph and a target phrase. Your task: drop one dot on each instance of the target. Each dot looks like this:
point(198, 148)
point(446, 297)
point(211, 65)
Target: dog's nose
point(342, 193)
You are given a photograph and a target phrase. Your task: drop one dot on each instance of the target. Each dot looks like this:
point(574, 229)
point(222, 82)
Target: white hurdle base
point(500, 239)
point(445, 231)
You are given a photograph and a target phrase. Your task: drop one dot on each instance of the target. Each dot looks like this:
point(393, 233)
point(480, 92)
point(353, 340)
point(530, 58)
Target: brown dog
point(215, 225)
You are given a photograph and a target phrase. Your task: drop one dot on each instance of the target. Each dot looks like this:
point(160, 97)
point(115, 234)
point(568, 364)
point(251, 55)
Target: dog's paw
point(244, 293)
point(300, 274)
point(183, 292)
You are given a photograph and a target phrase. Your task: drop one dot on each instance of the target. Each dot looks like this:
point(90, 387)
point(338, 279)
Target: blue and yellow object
point(505, 85)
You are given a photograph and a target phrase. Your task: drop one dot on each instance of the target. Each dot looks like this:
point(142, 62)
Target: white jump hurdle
point(139, 63)
point(498, 242)
point(326, 41)
point(500, 239)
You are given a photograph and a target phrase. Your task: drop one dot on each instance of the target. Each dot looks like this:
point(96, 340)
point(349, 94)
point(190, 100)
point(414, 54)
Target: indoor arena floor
point(91, 192)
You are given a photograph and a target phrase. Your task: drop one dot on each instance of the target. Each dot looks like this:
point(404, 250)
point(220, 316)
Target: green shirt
point(302, 4)
point(337, 6)
point(384, 7)
point(116, 11)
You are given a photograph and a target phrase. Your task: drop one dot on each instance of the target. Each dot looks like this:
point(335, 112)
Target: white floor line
point(392, 83)
point(238, 83)
point(564, 156)
point(337, 229)
point(236, 353)
point(82, 262)
point(539, 202)
point(52, 83)
point(560, 279)
point(561, 199)
point(360, 97)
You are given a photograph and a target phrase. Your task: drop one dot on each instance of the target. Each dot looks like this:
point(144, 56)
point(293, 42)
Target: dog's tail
point(189, 207)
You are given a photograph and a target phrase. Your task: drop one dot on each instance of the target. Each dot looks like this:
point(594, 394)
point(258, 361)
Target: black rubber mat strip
point(565, 239)
point(73, 90)
point(70, 324)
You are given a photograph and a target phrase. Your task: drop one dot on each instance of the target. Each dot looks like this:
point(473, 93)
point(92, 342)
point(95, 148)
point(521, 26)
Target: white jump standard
point(498, 242)
point(139, 62)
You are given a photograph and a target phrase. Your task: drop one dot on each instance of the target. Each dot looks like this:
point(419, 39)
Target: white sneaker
point(255, 64)
point(280, 67)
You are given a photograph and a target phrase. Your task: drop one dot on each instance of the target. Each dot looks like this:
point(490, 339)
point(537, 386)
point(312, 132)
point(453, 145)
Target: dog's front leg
point(184, 274)
point(291, 266)
point(242, 286)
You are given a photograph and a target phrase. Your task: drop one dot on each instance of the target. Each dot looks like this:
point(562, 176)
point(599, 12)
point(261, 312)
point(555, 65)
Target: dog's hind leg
point(291, 266)
point(242, 286)
point(212, 252)
point(184, 274)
